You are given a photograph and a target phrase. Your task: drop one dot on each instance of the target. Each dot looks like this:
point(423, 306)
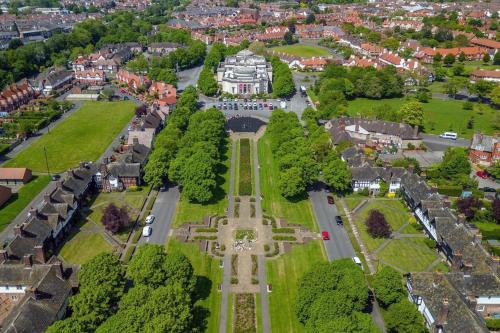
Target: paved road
point(163, 210)
point(434, 142)
point(188, 77)
point(339, 246)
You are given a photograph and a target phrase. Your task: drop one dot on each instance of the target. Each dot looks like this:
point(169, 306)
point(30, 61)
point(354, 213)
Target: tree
point(496, 59)
point(358, 322)
point(257, 47)
point(404, 317)
point(310, 18)
point(69, 325)
point(288, 37)
point(146, 266)
point(15, 43)
point(469, 206)
point(337, 174)
point(495, 207)
point(107, 93)
point(494, 170)
point(412, 113)
point(437, 57)
point(455, 163)
point(115, 219)
point(207, 83)
point(458, 69)
point(486, 57)
point(461, 57)
point(377, 225)
point(388, 286)
point(449, 59)
point(291, 183)
point(482, 88)
point(453, 85)
point(495, 95)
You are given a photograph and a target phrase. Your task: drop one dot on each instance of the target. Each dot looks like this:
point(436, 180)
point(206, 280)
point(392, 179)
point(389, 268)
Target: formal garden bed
point(245, 171)
point(244, 317)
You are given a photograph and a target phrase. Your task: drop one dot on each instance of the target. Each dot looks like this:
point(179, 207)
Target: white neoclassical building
point(245, 74)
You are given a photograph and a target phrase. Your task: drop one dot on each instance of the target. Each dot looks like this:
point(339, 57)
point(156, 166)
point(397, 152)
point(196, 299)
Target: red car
point(325, 235)
point(330, 200)
point(482, 174)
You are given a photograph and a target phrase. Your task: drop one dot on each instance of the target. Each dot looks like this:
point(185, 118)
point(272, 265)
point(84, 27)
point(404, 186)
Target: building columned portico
point(245, 74)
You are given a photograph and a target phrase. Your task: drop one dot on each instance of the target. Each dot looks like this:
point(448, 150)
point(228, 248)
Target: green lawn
point(489, 230)
point(237, 169)
point(273, 203)
point(353, 200)
point(210, 275)
point(188, 212)
point(304, 51)
point(410, 254)
point(245, 172)
point(21, 199)
point(83, 136)
point(84, 245)
point(394, 211)
point(284, 273)
point(439, 115)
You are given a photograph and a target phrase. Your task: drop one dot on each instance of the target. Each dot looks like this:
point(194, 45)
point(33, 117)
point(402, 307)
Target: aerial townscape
point(249, 166)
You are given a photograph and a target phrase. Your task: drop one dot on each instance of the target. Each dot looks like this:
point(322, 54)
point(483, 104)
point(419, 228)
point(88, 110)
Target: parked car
point(147, 231)
point(56, 177)
point(149, 219)
point(330, 200)
point(357, 261)
point(482, 174)
point(325, 235)
point(449, 135)
point(489, 189)
point(339, 221)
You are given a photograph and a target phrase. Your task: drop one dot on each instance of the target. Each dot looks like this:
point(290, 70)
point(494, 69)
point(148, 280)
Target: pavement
point(163, 210)
point(435, 143)
point(188, 77)
point(339, 246)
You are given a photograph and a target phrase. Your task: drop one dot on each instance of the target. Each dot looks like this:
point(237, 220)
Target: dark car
point(330, 200)
point(489, 189)
point(56, 177)
point(339, 221)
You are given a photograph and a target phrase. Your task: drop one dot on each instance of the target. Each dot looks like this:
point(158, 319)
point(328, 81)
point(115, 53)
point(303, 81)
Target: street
point(188, 77)
point(339, 246)
point(163, 210)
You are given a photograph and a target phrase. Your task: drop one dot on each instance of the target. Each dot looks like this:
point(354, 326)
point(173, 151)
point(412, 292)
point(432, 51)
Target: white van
point(357, 261)
point(146, 231)
point(449, 135)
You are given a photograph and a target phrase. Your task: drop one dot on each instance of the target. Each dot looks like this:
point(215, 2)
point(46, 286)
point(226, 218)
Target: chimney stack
point(46, 198)
point(31, 292)
point(40, 254)
point(461, 218)
point(442, 316)
point(456, 263)
point(18, 229)
point(28, 260)
point(59, 270)
point(4, 256)
point(415, 131)
point(478, 237)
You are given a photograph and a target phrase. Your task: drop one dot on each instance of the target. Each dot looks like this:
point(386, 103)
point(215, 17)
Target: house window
point(19, 287)
point(480, 308)
point(13, 297)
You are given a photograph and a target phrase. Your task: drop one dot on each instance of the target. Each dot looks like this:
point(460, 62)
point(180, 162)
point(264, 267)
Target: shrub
point(284, 230)
point(254, 264)
point(255, 280)
point(234, 264)
point(234, 280)
point(377, 225)
point(364, 192)
point(237, 210)
point(252, 199)
point(275, 251)
point(201, 237)
point(136, 236)
point(450, 190)
point(430, 243)
point(252, 210)
point(266, 247)
point(133, 188)
point(468, 105)
point(493, 324)
point(264, 222)
point(237, 199)
point(224, 222)
point(284, 238)
point(223, 247)
point(206, 229)
point(115, 219)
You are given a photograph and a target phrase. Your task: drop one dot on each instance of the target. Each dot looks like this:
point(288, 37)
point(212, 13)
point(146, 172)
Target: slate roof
point(435, 289)
point(372, 173)
point(124, 169)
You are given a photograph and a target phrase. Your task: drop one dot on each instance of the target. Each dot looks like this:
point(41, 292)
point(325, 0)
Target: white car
point(449, 135)
point(150, 219)
point(357, 261)
point(146, 231)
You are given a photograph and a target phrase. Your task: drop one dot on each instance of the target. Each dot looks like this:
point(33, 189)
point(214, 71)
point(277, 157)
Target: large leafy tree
point(388, 286)
point(337, 174)
point(455, 162)
point(404, 317)
point(146, 266)
point(207, 83)
point(291, 183)
point(412, 113)
point(358, 322)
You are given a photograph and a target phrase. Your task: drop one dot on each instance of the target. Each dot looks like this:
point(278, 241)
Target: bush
point(377, 225)
point(234, 280)
point(252, 210)
point(275, 251)
point(284, 230)
point(450, 190)
point(266, 247)
point(255, 280)
point(137, 235)
point(285, 238)
point(133, 188)
point(252, 199)
point(364, 192)
point(468, 105)
point(264, 222)
point(223, 247)
point(206, 229)
point(493, 324)
point(237, 210)
point(200, 237)
point(237, 199)
point(431, 243)
point(128, 254)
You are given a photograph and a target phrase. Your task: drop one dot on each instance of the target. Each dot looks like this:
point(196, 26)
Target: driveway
point(339, 246)
point(163, 210)
point(434, 142)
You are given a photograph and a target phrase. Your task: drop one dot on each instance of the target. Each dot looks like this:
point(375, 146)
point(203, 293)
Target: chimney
point(135, 141)
point(478, 237)
point(31, 292)
point(442, 316)
point(461, 218)
point(411, 168)
point(456, 262)
point(40, 254)
point(468, 267)
point(82, 165)
point(46, 198)
point(494, 260)
point(28, 260)
point(59, 270)
point(18, 230)
point(33, 212)
point(415, 131)
point(4, 256)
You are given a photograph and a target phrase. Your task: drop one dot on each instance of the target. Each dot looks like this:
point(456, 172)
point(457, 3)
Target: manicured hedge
point(450, 190)
point(245, 180)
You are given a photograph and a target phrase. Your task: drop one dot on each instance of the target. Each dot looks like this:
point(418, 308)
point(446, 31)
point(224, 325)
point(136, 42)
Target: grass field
point(273, 203)
point(394, 211)
point(209, 276)
point(439, 115)
point(188, 212)
point(489, 230)
point(410, 254)
point(84, 245)
point(304, 51)
point(21, 199)
point(83, 136)
point(284, 274)
point(245, 172)
point(353, 200)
